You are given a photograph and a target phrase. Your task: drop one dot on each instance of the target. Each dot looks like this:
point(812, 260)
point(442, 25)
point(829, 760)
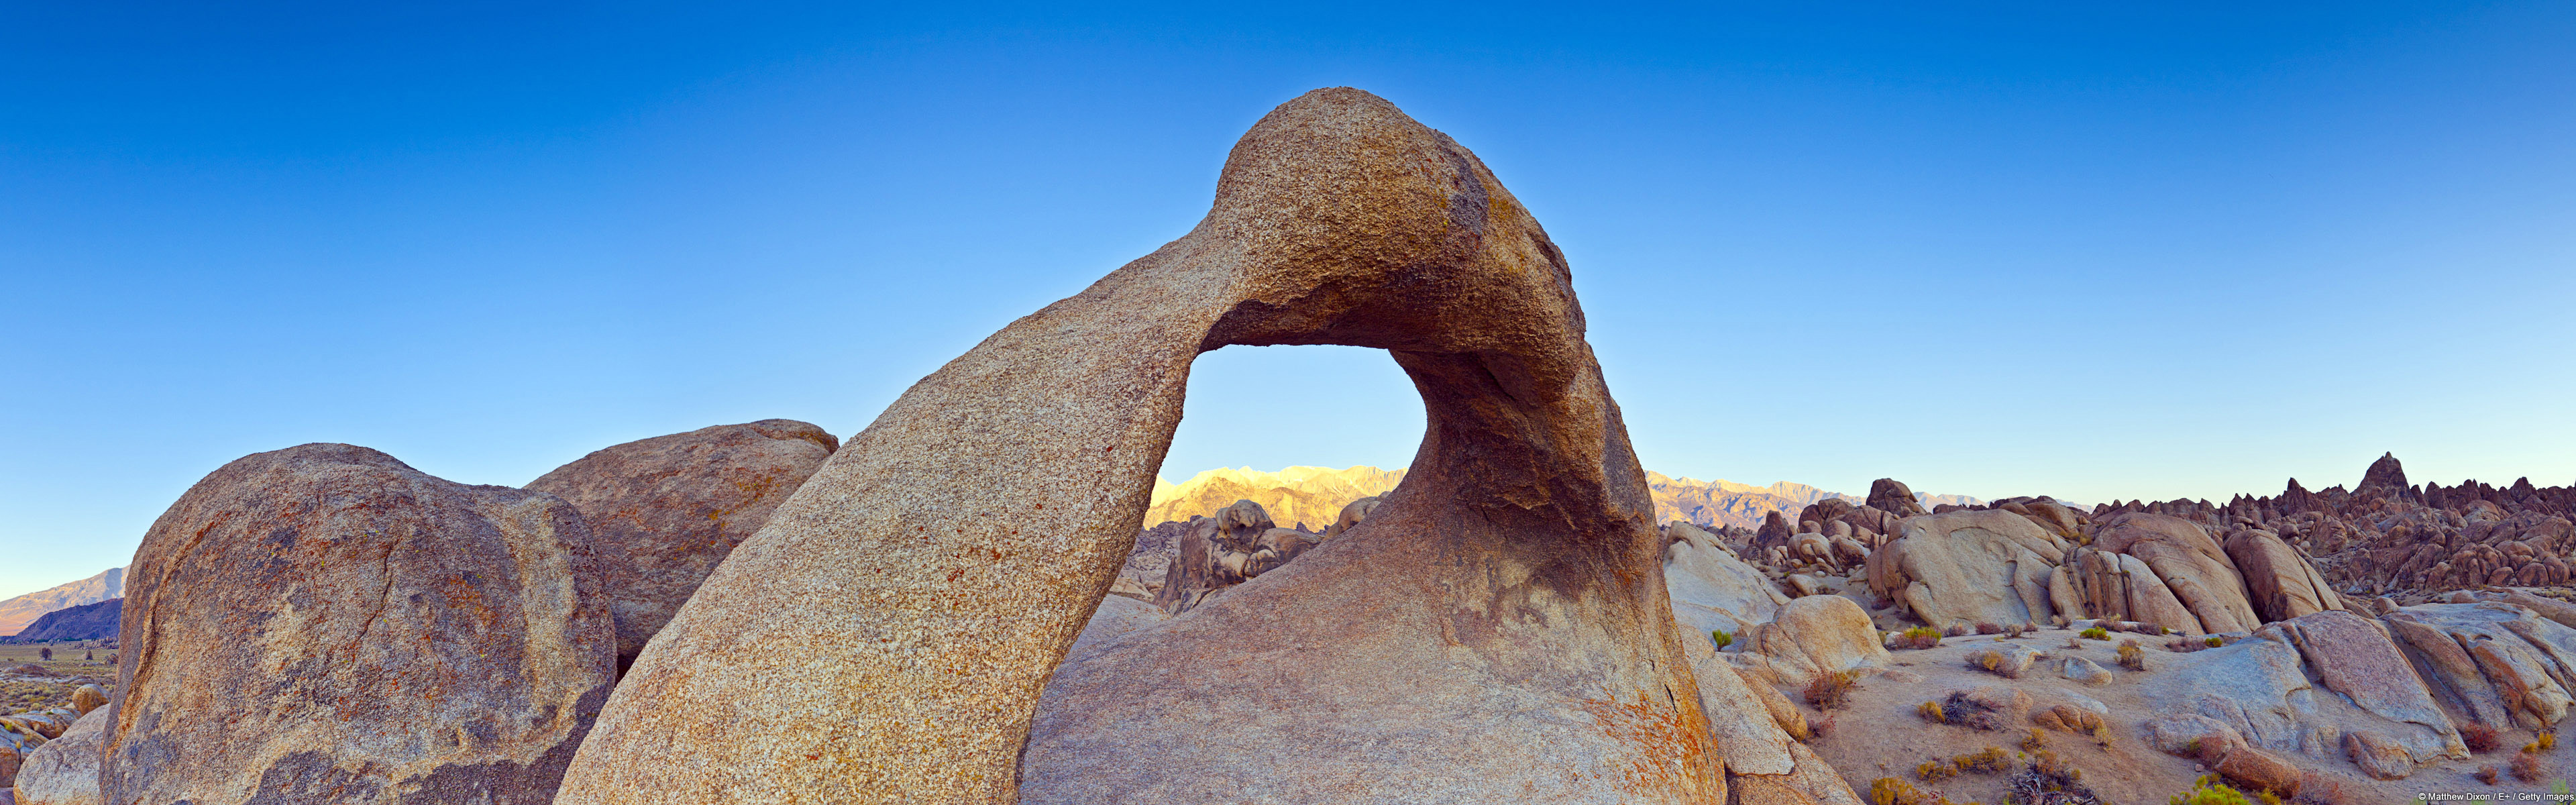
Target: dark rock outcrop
point(664, 511)
point(324, 623)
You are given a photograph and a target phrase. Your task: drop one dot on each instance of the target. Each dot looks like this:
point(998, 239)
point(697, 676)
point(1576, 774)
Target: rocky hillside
point(85, 622)
point(17, 612)
point(1300, 497)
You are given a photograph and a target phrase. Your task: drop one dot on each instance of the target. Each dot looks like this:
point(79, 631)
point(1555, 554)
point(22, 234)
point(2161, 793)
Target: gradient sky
point(2122, 250)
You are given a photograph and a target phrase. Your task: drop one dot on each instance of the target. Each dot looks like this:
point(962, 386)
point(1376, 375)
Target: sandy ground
point(1879, 735)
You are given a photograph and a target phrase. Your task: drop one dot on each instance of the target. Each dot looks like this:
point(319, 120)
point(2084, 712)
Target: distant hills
point(17, 613)
point(85, 622)
point(1309, 495)
point(1315, 495)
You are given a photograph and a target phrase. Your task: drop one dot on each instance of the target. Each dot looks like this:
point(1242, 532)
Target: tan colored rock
point(1117, 616)
point(65, 772)
point(2189, 563)
point(2527, 658)
point(1494, 631)
point(2452, 672)
point(326, 622)
point(2379, 757)
point(2192, 735)
point(1815, 635)
point(1351, 516)
point(1711, 589)
point(2085, 671)
point(664, 511)
point(2279, 581)
point(1969, 567)
point(2562, 612)
point(2123, 588)
point(2254, 769)
point(2350, 655)
point(88, 697)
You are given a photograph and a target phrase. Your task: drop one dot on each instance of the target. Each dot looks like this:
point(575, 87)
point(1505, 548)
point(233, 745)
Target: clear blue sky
point(2089, 250)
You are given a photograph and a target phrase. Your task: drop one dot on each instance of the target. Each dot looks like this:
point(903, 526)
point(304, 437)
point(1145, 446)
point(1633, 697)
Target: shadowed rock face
point(1495, 631)
point(664, 511)
point(325, 624)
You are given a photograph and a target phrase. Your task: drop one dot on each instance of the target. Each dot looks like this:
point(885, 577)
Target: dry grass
point(2526, 767)
point(1831, 691)
point(2479, 737)
point(1989, 761)
point(1984, 627)
point(2133, 656)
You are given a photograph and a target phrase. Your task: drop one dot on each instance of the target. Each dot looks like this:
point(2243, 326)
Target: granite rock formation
point(1494, 631)
point(1970, 567)
point(325, 623)
point(664, 511)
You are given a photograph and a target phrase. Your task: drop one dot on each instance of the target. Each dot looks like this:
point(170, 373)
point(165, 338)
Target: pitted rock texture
point(663, 511)
point(324, 623)
point(1495, 631)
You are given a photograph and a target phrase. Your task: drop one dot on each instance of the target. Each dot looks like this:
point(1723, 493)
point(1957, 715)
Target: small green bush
point(2095, 633)
point(1722, 639)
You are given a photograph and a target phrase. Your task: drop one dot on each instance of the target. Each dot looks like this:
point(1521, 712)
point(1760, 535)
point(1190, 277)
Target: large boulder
point(1494, 631)
point(1218, 552)
point(1894, 497)
point(2280, 582)
point(664, 511)
point(2351, 655)
point(1969, 567)
point(65, 772)
point(1810, 637)
point(2529, 661)
point(1711, 589)
point(324, 623)
point(2119, 587)
point(2186, 562)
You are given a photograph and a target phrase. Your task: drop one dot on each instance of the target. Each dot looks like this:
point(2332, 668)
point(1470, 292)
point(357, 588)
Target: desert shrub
point(2479, 737)
point(1959, 710)
point(2073, 643)
point(1722, 639)
point(2209, 791)
point(1989, 628)
point(2547, 740)
point(2049, 781)
point(1919, 637)
point(2109, 625)
point(2489, 774)
point(2015, 631)
point(2035, 741)
point(1932, 712)
point(2213, 641)
point(1956, 630)
point(2102, 735)
point(1989, 659)
point(1933, 771)
point(1892, 791)
point(1989, 761)
point(2132, 656)
point(2150, 628)
point(2526, 767)
point(1831, 691)
point(2095, 633)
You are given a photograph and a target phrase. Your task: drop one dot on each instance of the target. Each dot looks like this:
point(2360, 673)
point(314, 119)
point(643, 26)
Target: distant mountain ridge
point(17, 613)
point(1312, 496)
point(1315, 495)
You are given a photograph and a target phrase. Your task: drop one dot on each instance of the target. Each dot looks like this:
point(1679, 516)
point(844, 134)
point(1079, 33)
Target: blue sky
point(2135, 250)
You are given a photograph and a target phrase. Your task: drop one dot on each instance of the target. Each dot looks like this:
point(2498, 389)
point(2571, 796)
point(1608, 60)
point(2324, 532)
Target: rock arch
point(886, 635)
